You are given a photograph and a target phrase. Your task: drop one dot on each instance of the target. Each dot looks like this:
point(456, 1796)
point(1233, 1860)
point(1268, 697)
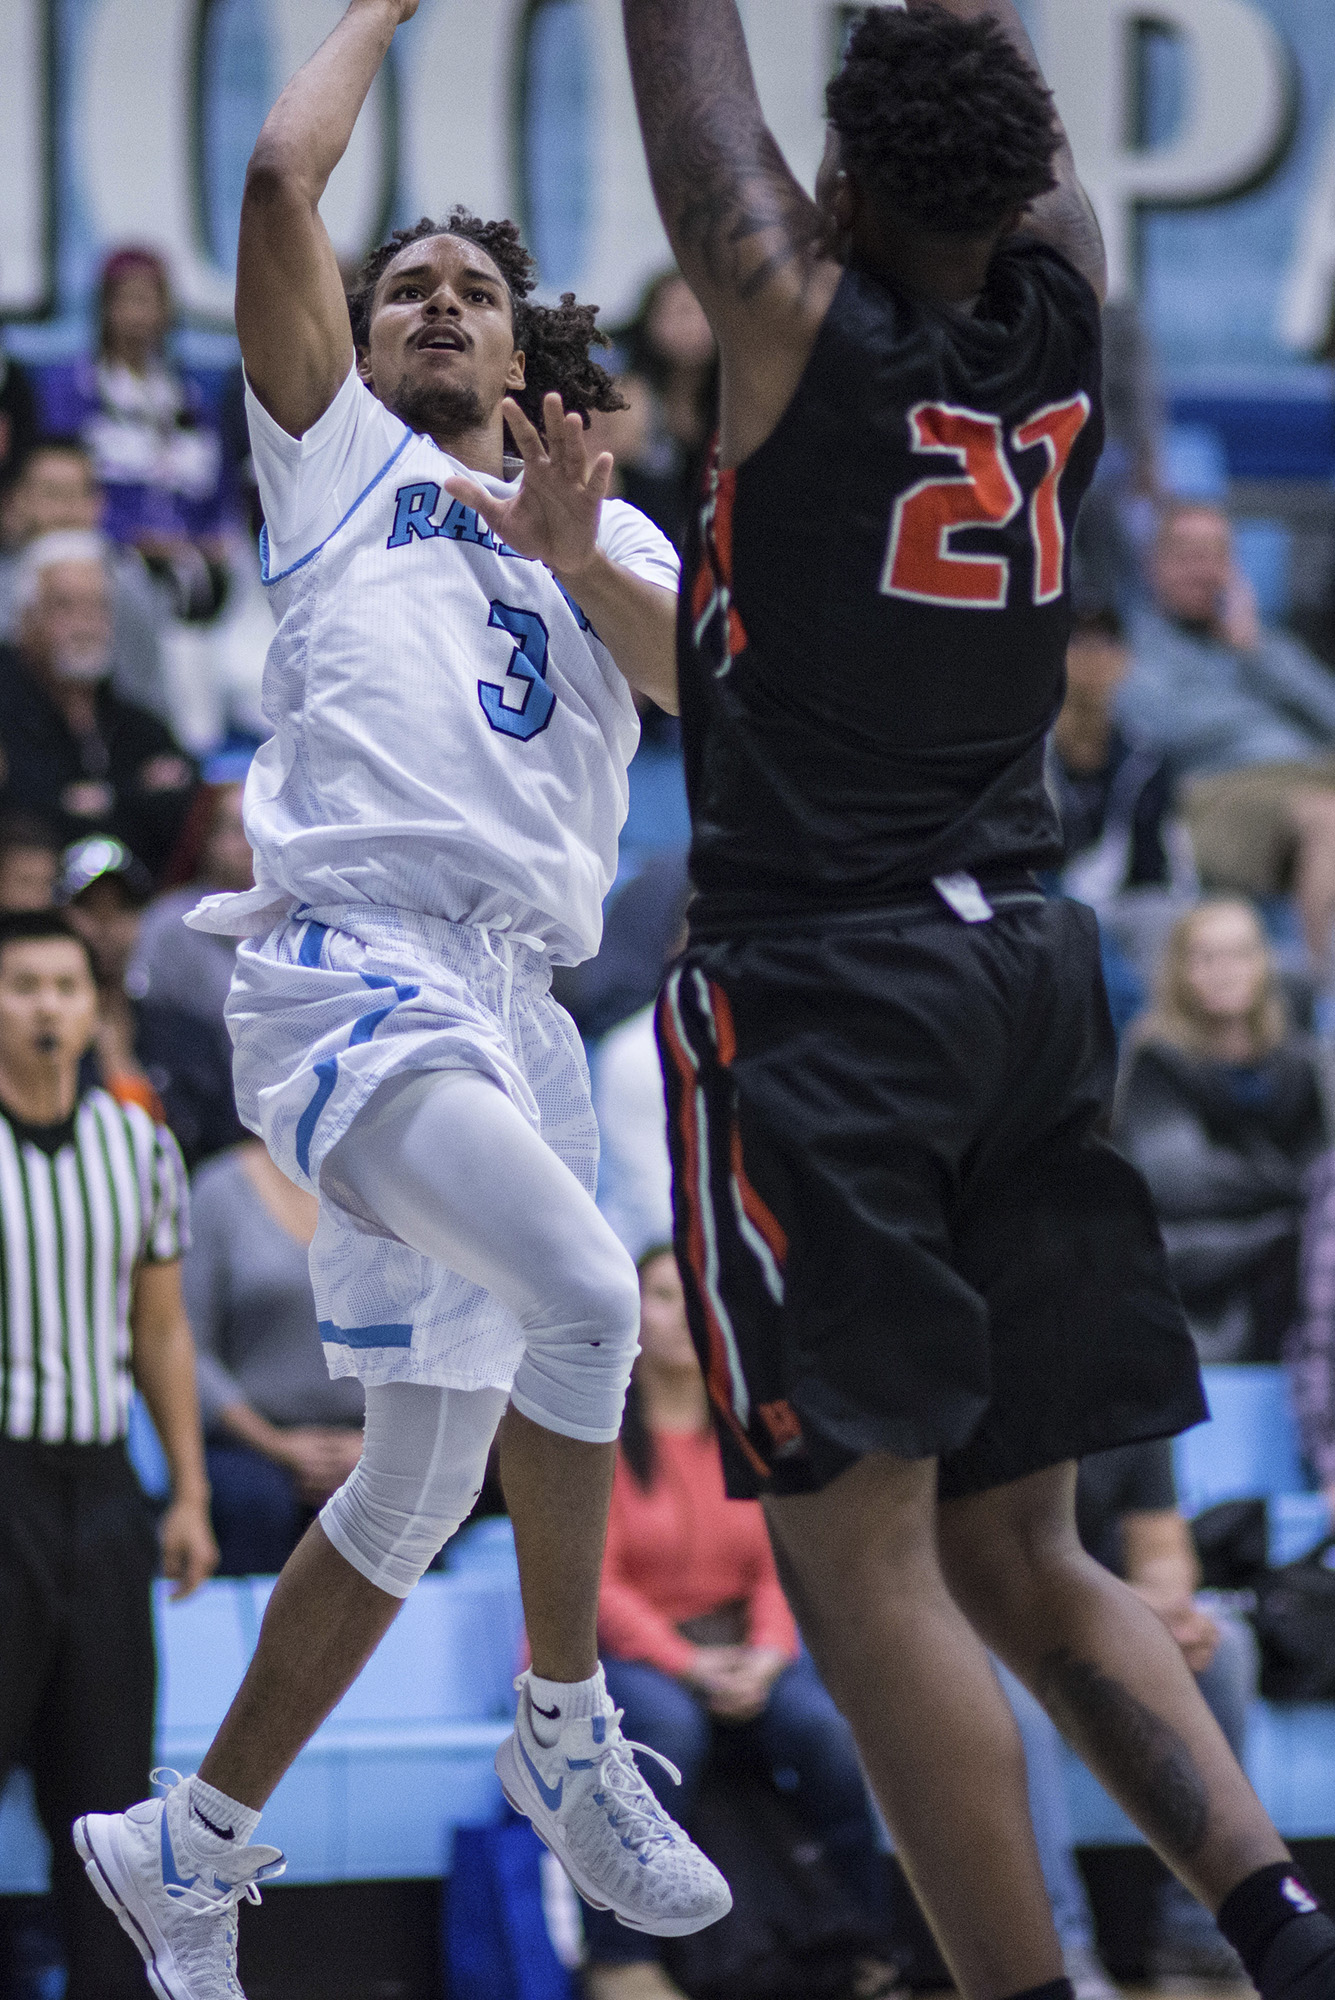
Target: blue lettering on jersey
point(528, 667)
point(413, 506)
point(461, 524)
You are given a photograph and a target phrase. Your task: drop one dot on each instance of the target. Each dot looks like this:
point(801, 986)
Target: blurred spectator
point(1124, 856)
point(1245, 716)
point(1309, 1351)
point(18, 415)
point(670, 382)
point(1127, 1514)
point(29, 862)
point(177, 967)
point(641, 933)
point(1221, 1108)
point(173, 1062)
point(156, 449)
point(55, 490)
point(281, 1436)
point(71, 745)
point(91, 1309)
point(696, 1635)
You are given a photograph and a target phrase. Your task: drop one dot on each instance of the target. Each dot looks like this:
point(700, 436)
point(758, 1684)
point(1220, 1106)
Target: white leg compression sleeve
point(420, 1471)
point(444, 1161)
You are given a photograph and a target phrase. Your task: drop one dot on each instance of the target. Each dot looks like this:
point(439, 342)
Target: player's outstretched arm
point(751, 243)
point(1065, 217)
point(553, 519)
point(291, 314)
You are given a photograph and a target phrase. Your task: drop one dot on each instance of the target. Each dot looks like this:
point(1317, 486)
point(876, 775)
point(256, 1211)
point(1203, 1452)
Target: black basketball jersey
point(873, 637)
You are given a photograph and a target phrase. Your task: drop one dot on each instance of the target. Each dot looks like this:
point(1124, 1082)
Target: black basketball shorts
point(899, 1223)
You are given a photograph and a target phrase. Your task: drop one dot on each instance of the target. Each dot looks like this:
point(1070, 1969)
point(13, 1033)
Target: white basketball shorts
point(322, 1011)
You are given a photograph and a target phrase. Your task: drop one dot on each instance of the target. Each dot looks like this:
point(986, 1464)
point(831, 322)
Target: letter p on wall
point(1237, 116)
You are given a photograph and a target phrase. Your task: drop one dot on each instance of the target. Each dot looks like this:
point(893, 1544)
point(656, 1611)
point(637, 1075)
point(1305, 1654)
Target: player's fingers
point(486, 504)
point(527, 436)
point(600, 475)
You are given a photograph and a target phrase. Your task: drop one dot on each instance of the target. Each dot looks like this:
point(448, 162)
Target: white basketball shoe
point(589, 1804)
point(175, 1887)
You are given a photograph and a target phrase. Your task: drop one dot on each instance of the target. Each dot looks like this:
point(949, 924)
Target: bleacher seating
point(1249, 1447)
point(404, 1759)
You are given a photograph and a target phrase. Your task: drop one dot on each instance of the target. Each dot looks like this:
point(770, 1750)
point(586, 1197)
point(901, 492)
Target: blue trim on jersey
point(362, 1031)
point(326, 1077)
point(365, 1336)
point(312, 944)
point(265, 577)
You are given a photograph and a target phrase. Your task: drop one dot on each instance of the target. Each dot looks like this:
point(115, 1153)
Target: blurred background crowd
point(1193, 767)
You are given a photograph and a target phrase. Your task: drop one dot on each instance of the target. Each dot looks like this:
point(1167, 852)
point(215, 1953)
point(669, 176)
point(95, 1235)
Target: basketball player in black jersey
point(921, 1282)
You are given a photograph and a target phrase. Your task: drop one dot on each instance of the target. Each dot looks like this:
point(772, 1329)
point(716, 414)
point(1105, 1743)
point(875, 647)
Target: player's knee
point(577, 1361)
point(395, 1512)
point(594, 1295)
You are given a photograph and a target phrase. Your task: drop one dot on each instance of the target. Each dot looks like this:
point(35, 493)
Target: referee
point(93, 1220)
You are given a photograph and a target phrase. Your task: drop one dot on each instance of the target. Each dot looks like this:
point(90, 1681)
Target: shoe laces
point(213, 1902)
point(632, 1811)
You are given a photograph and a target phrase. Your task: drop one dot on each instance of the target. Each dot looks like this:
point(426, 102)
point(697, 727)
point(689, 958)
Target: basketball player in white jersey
point(435, 823)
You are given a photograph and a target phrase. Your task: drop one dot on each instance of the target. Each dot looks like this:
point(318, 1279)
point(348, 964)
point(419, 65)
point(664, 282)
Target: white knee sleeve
point(578, 1354)
point(420, 1471)
point(445, 1162)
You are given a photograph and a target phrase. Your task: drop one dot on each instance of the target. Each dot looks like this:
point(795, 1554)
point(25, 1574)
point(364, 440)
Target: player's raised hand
point(554, 516)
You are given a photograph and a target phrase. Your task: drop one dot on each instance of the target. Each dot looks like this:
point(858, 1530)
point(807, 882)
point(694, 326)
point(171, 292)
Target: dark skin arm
point(751, 243)
point(756, 250)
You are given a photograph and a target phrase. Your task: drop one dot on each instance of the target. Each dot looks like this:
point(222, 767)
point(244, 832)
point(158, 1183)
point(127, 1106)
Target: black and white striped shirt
point(79, 1209)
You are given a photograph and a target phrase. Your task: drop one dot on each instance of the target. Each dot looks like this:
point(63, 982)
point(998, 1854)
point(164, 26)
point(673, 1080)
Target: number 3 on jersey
point(522, 704)
point(920, 563)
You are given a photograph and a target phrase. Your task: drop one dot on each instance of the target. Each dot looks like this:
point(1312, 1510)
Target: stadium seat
point(1265, 553)
point(1248, 1447)
point(1192, 462)
point(404, 1758)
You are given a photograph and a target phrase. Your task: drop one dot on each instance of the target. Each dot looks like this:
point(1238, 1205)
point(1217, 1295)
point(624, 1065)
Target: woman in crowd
point(695, 1634)
point(1221, 1107)
point(280, 1436)
point(155, 448)
point(669, 382)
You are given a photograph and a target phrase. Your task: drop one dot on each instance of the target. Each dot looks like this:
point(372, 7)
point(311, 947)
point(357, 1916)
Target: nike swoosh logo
point(551, 1794)
point(549, 1714)
point(171, 1877)
point(223, 1832)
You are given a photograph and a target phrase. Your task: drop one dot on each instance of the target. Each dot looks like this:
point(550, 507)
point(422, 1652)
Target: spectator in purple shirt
point(155, 446)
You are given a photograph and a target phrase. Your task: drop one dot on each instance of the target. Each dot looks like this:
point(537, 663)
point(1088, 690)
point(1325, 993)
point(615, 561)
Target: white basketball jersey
point(450, 735)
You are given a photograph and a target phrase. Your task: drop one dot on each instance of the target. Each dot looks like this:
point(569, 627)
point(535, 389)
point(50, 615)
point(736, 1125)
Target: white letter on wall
point(137, 150)
point(23, 97)
point(1238, 98)
point(1306, 301)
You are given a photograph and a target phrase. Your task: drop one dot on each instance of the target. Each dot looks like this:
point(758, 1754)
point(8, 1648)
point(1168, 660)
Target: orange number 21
point(920, 563)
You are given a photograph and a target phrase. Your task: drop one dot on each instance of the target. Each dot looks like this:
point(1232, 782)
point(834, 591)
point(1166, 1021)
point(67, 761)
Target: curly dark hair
point(941, 120)
point(555, 339)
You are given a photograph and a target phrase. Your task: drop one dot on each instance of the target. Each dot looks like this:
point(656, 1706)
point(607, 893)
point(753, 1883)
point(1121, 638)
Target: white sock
point(571, 1701)
point(213, 1813)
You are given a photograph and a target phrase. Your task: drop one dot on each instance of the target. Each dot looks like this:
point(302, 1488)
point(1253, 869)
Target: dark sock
point(1055, 1989)
point(1281, 1933)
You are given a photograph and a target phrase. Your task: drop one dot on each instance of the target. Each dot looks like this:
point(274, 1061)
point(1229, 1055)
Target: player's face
point(442, 350)
point(48, 1006)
